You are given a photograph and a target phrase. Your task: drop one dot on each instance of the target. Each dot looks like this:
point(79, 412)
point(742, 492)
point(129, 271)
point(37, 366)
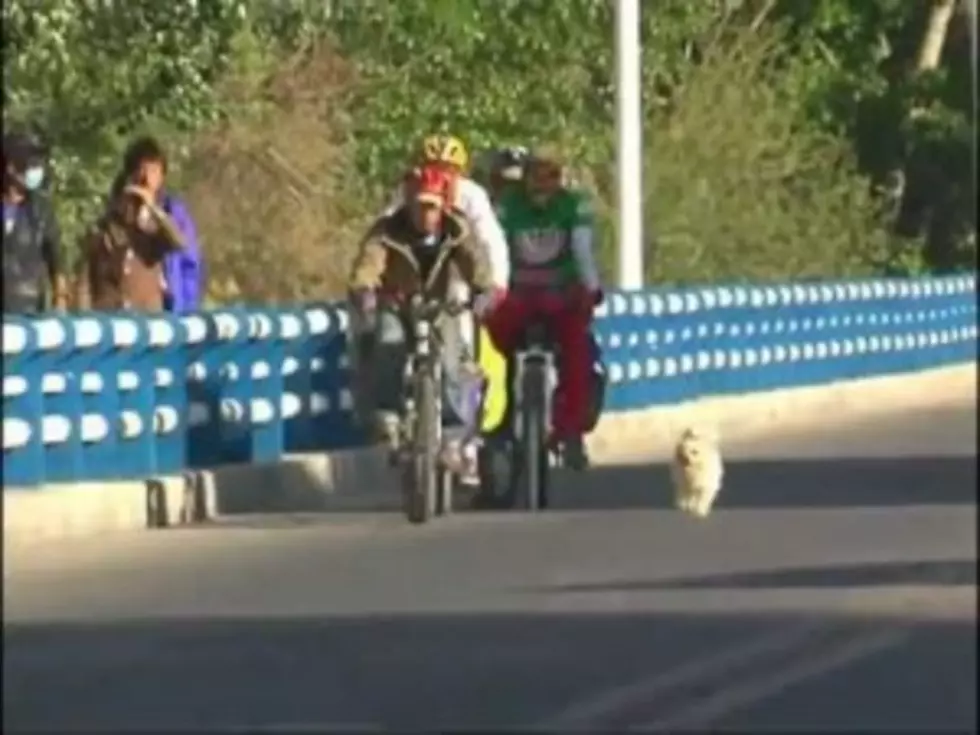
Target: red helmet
point(433, 185)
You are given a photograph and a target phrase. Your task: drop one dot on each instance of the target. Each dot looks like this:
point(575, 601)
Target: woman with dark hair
point(33, 272)
point(144, 166)
point(122, 257)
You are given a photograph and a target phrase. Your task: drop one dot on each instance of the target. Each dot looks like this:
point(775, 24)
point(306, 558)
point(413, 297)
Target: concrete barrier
point(650, 434)
point(359, 479)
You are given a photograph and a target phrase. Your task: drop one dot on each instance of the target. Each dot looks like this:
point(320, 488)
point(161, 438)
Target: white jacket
point(473, 202)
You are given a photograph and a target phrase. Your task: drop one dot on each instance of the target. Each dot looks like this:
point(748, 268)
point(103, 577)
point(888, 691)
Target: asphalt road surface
point(833, 588)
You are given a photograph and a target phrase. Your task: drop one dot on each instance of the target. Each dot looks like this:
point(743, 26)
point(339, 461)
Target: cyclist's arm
point(582, 243)
point(489, 233)
point(369, 265)
point(470, 258)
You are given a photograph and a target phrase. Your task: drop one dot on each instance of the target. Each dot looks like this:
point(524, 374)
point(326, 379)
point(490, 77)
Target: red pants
point(570, 327)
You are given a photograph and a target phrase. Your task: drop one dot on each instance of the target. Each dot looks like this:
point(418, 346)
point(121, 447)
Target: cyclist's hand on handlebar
point(457, 298)
point(365, 299)
point(455, 306)
point(486, 301)
point(365, 310)
point(585, 300)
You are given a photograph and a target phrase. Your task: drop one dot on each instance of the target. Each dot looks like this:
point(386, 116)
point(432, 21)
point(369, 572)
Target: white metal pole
point(971, 17)
point(629, 144)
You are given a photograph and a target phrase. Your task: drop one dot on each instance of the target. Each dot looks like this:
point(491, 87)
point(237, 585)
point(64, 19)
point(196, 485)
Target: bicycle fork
point(546, 361)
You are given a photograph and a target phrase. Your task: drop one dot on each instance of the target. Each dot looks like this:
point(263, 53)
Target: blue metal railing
point(118, 396)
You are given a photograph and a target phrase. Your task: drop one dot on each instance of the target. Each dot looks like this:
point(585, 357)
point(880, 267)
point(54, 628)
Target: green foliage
point(764, 121)
point(859, 80)
point(90, 73)
point(736, 183)
point(500, 71)
point(483, 69)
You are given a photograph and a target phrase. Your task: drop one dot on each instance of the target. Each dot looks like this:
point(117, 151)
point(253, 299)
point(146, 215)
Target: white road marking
point(589, 714)
point(700, 714)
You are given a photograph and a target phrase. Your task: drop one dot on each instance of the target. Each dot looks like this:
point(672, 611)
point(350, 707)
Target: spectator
point(33, 272)
point(123, 255)
point(145, 165)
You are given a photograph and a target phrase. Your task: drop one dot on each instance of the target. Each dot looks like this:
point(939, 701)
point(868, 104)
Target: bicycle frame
point(423, 356)
point(427, 481)
point(538, 352)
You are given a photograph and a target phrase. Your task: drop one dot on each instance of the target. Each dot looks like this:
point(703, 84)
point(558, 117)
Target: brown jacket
point(121, 266)
point(385, 260)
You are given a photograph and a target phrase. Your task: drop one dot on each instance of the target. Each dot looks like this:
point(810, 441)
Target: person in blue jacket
point(145, 165)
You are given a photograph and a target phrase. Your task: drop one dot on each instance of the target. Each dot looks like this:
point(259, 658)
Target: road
point(834, 588)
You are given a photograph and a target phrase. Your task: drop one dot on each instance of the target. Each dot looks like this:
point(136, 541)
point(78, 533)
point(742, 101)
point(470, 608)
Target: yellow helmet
point(445, 149)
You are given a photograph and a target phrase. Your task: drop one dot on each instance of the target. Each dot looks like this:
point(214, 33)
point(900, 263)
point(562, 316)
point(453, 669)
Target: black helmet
point(509, 162)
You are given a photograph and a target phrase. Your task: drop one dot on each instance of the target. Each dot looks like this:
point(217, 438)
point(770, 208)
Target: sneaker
point(461, 458)
point(574, 455)
point(450, 456)
point(386, 428)
point(469, 471)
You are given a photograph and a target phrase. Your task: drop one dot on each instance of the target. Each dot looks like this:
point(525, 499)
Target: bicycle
point(523, 441)
point(426, 483)
point(535, 379)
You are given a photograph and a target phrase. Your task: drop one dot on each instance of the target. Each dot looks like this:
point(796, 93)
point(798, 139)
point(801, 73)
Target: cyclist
point(550, 231)
point(466, 196)
point(499, 169)
point(506, 170)
point(401, 252)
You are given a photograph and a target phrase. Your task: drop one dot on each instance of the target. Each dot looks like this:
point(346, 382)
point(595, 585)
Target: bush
point(274, 187)
point(737, 183)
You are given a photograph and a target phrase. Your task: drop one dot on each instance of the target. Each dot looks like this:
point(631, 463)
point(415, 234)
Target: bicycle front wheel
point(533, 444)
point(420, 476)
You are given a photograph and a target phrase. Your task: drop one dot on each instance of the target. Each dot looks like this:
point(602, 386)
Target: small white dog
point(696, 471)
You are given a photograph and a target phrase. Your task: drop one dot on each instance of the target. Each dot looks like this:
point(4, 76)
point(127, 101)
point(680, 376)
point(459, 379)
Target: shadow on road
point(491, 671)
point(944, 573)
point(786, 483)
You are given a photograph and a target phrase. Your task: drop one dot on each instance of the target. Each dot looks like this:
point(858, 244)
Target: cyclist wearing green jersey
point(549, 231)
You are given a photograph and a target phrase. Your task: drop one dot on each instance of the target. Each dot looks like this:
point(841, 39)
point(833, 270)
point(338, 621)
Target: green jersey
point(539, 238)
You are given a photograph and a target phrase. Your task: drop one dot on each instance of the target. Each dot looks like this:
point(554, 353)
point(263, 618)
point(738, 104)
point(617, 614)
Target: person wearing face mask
point(144, 170)
point(33, 272)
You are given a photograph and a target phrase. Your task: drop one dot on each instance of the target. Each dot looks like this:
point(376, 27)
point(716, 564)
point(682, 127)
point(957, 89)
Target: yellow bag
point(494, 366)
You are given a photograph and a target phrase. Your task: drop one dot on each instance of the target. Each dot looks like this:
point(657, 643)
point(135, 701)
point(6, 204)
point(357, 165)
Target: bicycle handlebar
point(421, 308)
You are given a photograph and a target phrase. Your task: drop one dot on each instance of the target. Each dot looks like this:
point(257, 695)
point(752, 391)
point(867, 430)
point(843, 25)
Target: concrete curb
point(356, 479)
point(62, 511)
point(650, 434)
point(360, 480)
